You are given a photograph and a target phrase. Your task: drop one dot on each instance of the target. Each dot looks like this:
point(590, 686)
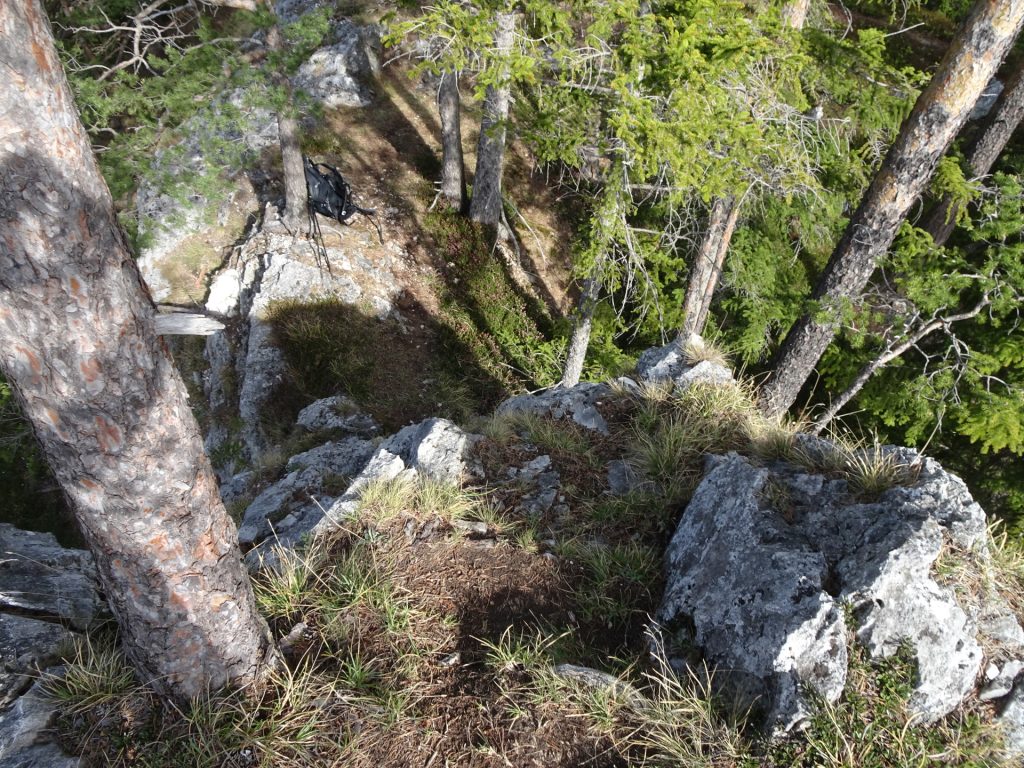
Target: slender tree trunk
point(581, 330)
point(794, 13)
point(77, 342)
point(708, 265)
point(940, 112)
point(453, 174)
point(295, 194)
point(983, 152)
point(485, 207)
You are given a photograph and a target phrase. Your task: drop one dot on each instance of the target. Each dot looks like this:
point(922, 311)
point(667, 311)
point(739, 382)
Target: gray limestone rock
point(578, 403)
point(42, 578)
point(436, 448)
point(1011, 718)
point(669, 363)
point(333, 75)
point(25, 733)
point(338, 413)
point(623, 479)
point(27, 646)
point(764, 559)
point(291, 507)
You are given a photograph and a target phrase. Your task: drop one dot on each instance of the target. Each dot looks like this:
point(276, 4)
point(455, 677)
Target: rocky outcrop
point(291, 507)
point(39, 577)
point(770, 563)
point(287, 511)
point(47, 593)
point(246, 368)
point(337, 414)
point(173, 223)
point(26, 737)
point(578, 403)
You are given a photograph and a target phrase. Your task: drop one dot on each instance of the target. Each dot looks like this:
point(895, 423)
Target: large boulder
point(246, 367)
point(27, 646)
point(769, 564)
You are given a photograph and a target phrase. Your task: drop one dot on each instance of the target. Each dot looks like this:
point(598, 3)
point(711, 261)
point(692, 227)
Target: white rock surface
point(338, 413)
point(578, 403)
point(760, 589)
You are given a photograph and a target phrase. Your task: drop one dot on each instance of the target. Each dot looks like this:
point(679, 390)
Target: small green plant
point(873, 470)
point(445, 500)
point(551, 435)
point(678, 721)
point(614, 576)
point(698, 350)
point(872, 727)
point(285, 723)
point(516, 651)
point(381, 500)
point(95, 674)
point(869, 469)
point(287, 591)
point(671, 455)
point(771, 440)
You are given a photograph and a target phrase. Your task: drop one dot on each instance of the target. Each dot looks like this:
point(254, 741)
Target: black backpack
point(329, 193)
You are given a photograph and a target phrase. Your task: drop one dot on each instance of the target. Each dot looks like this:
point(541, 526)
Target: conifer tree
point(78, 346)
point(941, 110)
point(982, 153)
point(710, 256)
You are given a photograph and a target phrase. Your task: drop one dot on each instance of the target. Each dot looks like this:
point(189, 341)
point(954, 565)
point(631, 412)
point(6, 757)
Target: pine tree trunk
point(983, 152)
point(708, 265)
point(295, 194)
point(794, 13)
point(453, 175)
point(940, 112)
point(485, 207)
point(77, 343)
point(581, 331)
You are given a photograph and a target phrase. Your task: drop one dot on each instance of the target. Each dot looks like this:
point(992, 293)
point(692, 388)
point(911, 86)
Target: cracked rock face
point(25, 734)
point(765, 559)
point(578, 403)
point(291, 507)
point(40, 577)
point(435, 448)
point(46, 592)
point(246, 370)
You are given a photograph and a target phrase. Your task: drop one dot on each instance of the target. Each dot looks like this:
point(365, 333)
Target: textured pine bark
point(485, 207)
point(77, 343)
point(453, 175)
point(983, 152)
point(708, 264)
point(940, 112)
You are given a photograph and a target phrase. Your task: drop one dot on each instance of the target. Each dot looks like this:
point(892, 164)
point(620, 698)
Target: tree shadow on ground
point(399, 369)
